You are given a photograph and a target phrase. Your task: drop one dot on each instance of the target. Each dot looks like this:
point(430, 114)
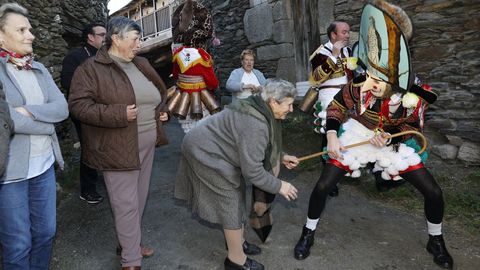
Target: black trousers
point(421, 179)
point(88, 176)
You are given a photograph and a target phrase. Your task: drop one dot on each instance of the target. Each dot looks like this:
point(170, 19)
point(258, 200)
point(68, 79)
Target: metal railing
point(156, 23)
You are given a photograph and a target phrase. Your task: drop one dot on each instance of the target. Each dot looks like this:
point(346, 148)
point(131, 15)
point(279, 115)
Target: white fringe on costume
point(386, 159)
point(189, 123)
point(325, 96)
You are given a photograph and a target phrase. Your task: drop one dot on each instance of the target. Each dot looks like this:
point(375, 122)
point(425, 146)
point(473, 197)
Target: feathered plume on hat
point(398, 15)
point(383, 43)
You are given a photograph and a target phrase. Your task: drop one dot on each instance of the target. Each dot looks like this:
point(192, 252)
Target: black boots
point(248, 265)
point(436, 246)
point(302, 248)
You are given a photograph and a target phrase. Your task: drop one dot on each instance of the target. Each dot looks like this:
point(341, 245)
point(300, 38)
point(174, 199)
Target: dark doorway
point(307, 34)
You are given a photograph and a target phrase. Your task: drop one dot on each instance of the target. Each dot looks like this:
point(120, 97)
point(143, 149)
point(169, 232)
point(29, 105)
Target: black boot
point(248, 265)
point(436, 246)
point(334, 191)
point(302, 248)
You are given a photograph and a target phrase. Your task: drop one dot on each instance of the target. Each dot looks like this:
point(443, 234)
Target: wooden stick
point(420, 135)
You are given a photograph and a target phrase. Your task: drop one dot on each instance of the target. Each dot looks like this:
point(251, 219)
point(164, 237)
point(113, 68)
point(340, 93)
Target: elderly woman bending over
point(238, 144)
point(245, 81)
point(27, 188)
point(120, 101)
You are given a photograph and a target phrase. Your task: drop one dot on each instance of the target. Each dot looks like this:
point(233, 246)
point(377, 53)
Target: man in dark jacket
point(93, 36)
point(6, 127)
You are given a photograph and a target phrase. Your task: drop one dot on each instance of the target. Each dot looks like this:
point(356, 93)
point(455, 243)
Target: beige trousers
point(128, 192)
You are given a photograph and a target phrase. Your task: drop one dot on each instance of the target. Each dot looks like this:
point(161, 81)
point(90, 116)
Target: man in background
point(330, 74)
point(93, 36)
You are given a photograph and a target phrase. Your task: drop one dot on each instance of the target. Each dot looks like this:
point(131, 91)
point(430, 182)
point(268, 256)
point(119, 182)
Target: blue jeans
point(27, 222)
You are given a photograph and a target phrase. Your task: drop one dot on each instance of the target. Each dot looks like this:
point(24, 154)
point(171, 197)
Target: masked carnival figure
point(192, 99)
point(384, 101)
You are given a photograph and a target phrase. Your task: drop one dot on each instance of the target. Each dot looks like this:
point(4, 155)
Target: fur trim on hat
point(186, 16)
point(398, 15)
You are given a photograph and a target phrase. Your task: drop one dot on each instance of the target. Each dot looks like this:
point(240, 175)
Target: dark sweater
point(72, 60)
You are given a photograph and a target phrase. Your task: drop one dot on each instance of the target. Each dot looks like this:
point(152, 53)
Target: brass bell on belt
point(171, 91)
point(181, 110)
point(309, 100)
point(173, 100)
point(196, 111)
point(210, 102)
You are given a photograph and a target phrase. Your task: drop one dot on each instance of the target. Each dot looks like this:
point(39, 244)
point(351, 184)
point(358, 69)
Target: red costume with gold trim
point(189, 61)
point(192, 65)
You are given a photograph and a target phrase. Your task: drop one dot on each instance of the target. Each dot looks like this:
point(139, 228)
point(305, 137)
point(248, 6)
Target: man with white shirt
point(330, 73)
point(245, 81)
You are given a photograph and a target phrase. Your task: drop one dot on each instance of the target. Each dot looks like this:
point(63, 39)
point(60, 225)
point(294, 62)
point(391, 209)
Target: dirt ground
point(354, 232)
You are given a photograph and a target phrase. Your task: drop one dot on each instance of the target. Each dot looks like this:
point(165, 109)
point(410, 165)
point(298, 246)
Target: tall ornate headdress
point(383, 43)
point(192, 24)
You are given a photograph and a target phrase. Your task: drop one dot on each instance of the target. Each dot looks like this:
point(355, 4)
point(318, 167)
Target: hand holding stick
point(420, 135)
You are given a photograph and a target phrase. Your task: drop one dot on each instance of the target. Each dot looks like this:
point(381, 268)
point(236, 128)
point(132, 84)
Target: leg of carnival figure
point(422, 180)
point(330, 176)
point(334, 190)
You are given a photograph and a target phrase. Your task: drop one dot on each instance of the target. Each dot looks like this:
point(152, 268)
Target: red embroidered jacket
point(194, 63)
point(347, 104)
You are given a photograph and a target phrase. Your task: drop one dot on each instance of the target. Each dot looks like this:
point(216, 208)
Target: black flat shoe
point(302, 248)
point(251, 249)
point(436, 247)
point(248, 265)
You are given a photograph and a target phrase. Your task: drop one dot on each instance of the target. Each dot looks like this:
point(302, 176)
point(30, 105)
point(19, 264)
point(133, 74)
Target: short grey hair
point(8, 8)
point(119, 25)
point(278, 90)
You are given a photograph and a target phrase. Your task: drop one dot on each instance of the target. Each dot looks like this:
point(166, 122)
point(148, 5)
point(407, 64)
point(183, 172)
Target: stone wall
point(445, 55)
point(57, 26)
point(444, 52)
point(261, 25)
